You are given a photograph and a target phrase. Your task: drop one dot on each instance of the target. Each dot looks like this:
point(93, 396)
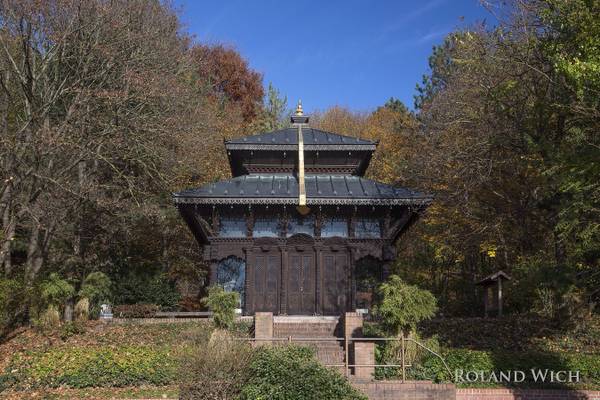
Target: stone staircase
point(298, 327)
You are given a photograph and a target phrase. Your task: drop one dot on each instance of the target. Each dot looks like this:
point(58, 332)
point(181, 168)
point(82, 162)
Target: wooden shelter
point(492, 292)
point(298, 222)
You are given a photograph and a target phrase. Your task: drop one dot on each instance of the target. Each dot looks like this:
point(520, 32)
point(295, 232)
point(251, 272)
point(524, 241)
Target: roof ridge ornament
point(298, 117)
point(299, 108)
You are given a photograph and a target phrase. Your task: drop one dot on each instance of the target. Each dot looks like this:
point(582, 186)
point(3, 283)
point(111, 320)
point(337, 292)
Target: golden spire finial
point(299, 108)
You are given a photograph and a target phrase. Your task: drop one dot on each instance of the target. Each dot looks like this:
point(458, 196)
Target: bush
point(12, 298)
point(79, 367)
point(403, 306)
point(49, 319)
point(292, 373)
point(96, 287)
point(214, 369)
point(82, 310)
point(223, 305)
point(55, 291)
point(414, 355)
point(135, 310)
point(71, 329)
point(138, 286)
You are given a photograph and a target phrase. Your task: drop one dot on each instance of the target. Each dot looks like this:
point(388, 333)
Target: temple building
point(298, 229)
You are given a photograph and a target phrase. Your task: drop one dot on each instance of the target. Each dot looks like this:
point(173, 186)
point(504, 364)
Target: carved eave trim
point(307, 147)
point(311, 200)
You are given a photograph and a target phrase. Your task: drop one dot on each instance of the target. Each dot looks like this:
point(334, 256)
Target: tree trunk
point(68, 315)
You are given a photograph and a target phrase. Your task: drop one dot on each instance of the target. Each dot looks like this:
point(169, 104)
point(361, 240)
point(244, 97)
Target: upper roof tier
point(277, 151)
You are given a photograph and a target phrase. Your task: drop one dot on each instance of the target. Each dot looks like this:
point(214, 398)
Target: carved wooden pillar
point(318, 222)
point(248, 282)
point(353, 259)
point(284, 278)
point(250, 222)
point(318, 281)
point(284, 222)
point(387, 220)
point(213, 272)
point(352, 223)
point(215, 220)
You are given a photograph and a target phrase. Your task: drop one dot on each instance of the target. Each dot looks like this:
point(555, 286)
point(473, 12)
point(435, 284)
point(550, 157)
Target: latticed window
point(298, 224)
point(231, 275)
point(366, 228)
point(265, 227)
point(232, 227)
point(334, 226)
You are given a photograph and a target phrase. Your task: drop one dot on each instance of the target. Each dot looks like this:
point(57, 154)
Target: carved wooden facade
point(292, 263)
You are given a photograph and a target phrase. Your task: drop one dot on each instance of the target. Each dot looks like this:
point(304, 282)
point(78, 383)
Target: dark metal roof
point(488, 280)
point(283, 189)
point(287, 139)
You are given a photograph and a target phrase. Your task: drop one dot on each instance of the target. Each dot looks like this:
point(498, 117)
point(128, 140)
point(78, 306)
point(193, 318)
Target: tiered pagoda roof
point(283, 189)
point(265, 169)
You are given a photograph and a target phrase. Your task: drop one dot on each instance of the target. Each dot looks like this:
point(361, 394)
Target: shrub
point(96, 287)
point(139, 286)
point(82, 310)
point(55, 291)
point(414, 355)
point(292, 373)
point(135, 310)
point(71, 328)
point(49, 319)
point(403, 306)
point(223, 305)
point(214, 369)
point(12, 298)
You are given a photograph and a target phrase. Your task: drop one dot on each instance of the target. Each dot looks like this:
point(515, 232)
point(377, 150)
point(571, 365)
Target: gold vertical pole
point(302, 208)
point(302, 187)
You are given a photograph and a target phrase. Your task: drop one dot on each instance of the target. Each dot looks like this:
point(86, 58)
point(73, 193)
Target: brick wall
point(396, 390)
point(525, 394)
point(364, 354)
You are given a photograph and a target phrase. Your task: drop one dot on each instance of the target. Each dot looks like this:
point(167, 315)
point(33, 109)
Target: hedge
point(91, 367)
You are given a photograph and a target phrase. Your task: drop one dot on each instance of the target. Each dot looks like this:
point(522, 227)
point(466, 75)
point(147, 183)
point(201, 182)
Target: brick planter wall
point(525, 394)
point(396, 390)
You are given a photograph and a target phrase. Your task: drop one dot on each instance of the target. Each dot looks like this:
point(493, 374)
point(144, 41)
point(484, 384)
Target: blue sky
point(351, 53)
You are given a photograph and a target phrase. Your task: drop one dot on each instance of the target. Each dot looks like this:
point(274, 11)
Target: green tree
point(96, 288)
point(223, 305)
point(403, 306)
point(274, 113)
point(55, 291)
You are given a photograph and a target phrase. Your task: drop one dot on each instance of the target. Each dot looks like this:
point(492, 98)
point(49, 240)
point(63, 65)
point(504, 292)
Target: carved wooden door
point(267, 268)
point(301, 285)
point(335, 282)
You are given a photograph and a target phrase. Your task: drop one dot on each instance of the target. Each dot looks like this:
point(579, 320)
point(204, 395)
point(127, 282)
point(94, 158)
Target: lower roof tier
point(283, 189)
